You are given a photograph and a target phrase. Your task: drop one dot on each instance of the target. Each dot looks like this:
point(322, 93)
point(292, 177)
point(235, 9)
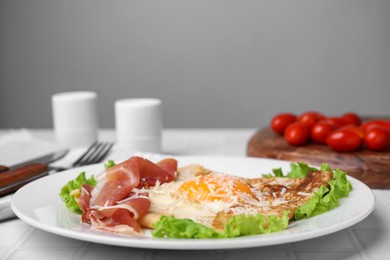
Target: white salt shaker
point(75, 119)
point(138, 124)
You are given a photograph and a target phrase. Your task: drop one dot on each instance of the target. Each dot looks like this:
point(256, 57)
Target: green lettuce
point(298, 170)
point(67, 191)
point(109, 164)
point(324, 199)
point(241, 225)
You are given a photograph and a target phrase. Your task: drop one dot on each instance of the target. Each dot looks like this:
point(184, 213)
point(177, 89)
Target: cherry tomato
point(310, 118)
point(344, 140)
point(297, 134)
point(280, 122)
point(365, 126)
point(352, 118)
point(337, 122)
point(353, 128)
point(320, 131)
point(377, 138)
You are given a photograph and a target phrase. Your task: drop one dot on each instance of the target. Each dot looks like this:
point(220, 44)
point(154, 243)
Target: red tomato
point(377, 138)
point(344, 140)
point(354, 129)
point(280, 122)
point(320, 131)
point(365, 126)
point(320, 116)
point(297, 134)
point(310, 118)
point(352, 118)
point(337, 122)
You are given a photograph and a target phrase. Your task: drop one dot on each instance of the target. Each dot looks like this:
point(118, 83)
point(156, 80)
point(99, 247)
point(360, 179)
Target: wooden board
point(372, 168)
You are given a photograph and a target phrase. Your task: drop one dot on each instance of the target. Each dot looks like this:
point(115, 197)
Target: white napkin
point(17, 146)
point(5, 208)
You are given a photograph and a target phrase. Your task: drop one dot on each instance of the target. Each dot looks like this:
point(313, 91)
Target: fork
point(94, 154)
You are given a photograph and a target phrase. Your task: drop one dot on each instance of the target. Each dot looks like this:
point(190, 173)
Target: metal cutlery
point(21, 174)
point(12, 178)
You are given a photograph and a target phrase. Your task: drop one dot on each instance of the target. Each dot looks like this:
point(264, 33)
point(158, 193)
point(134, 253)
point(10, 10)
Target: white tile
point(187, 255)
point(238, 139)
point(14, 222)
point(351, 255)
point(338, 240)
point(385, 194)
point(42, 239)
point(97, 245)
point(117, 253)
point(235, 146)
point(256, 253)
point(174, 143)
point(378, 255)
point(47, 254)
point(209, 144)
point(2, 253)
point(9, 235)
point(373, 239)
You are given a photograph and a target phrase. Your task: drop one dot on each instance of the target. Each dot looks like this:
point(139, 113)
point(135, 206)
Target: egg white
point(167, 200)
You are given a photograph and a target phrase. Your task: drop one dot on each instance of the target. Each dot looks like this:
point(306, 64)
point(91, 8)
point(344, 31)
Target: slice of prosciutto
point(112, 205)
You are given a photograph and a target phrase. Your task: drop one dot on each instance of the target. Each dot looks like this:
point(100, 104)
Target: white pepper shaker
point(75, 118)
point(138, 123)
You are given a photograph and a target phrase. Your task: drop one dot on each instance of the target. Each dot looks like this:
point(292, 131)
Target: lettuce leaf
point(300, 170)
point(241, 225)
point(68, 191)
point(109, 164)
point(181, 228)
point(326, 198)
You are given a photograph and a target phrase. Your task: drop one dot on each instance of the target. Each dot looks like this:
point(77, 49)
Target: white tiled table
point(369, 239)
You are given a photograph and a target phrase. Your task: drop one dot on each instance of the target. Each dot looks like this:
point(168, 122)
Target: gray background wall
point(214, 63)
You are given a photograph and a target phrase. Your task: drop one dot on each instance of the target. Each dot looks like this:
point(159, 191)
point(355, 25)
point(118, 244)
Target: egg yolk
point(215, 187)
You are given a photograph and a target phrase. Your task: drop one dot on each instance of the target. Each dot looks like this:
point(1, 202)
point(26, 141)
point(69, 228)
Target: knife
point(12, 178)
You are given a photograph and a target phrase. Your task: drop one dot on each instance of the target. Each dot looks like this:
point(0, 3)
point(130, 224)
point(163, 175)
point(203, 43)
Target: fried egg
point(210, 198)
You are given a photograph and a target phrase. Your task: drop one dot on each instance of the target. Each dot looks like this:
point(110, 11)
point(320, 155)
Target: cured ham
point(112, 204)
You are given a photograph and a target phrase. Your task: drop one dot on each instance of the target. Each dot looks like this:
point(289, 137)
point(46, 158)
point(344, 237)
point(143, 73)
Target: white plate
point(39, 205)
